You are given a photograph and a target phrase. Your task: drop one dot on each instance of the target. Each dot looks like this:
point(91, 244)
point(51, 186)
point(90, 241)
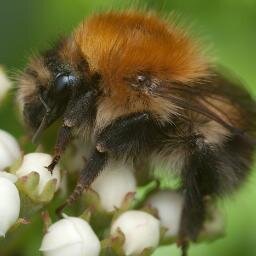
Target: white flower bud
point(169, 206)
point(37, 162)
point(9, 150)
point(70, 236)
point(113, 184)
point(9, 205)
point(141, 231)
point(5, 84)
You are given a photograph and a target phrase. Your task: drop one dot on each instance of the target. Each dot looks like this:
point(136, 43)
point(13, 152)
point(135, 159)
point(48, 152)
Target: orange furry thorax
point(118, 45)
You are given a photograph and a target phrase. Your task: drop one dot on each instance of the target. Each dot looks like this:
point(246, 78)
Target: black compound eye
point(64, 81)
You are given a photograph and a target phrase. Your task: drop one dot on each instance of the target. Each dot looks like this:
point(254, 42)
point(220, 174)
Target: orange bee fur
point(131, 42)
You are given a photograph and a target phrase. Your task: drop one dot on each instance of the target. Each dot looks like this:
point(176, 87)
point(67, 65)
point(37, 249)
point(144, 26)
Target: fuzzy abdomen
point(229, 159)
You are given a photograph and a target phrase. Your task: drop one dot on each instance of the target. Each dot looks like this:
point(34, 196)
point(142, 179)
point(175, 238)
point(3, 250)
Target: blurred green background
point(27, 26)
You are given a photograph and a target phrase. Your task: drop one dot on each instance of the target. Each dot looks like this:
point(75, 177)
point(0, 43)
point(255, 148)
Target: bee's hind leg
point(201, 177)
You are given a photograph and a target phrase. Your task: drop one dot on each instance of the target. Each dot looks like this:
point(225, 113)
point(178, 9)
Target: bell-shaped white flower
point(113, 184)
point(141, 231)
point(169, 207)
point(9, 205)
point(70, 236)
point(5, 84)
point(37, 162)
point(9, 149)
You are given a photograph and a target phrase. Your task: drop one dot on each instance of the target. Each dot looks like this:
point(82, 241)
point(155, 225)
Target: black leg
point(184, 248)
point(94, 166)
point(200, 178)
point(79, 111)
point(63, 139)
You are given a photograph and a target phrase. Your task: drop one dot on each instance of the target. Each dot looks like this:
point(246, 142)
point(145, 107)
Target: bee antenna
point(47, 108)
point(44, 121)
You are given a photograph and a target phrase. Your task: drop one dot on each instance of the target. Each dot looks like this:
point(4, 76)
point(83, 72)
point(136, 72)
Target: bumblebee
point(140, 89)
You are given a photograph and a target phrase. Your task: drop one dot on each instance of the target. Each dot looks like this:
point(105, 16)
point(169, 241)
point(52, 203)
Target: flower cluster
point(22, 177)
point(115, 218)
point(129, 231)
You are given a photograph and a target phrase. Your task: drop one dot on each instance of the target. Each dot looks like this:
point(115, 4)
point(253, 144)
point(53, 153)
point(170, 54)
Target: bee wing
point(207, 97)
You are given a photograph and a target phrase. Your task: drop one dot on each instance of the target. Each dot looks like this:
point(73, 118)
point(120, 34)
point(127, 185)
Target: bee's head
point(48, 83)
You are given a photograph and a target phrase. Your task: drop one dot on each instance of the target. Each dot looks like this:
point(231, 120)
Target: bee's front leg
point(63, 140)
point(79, 111)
